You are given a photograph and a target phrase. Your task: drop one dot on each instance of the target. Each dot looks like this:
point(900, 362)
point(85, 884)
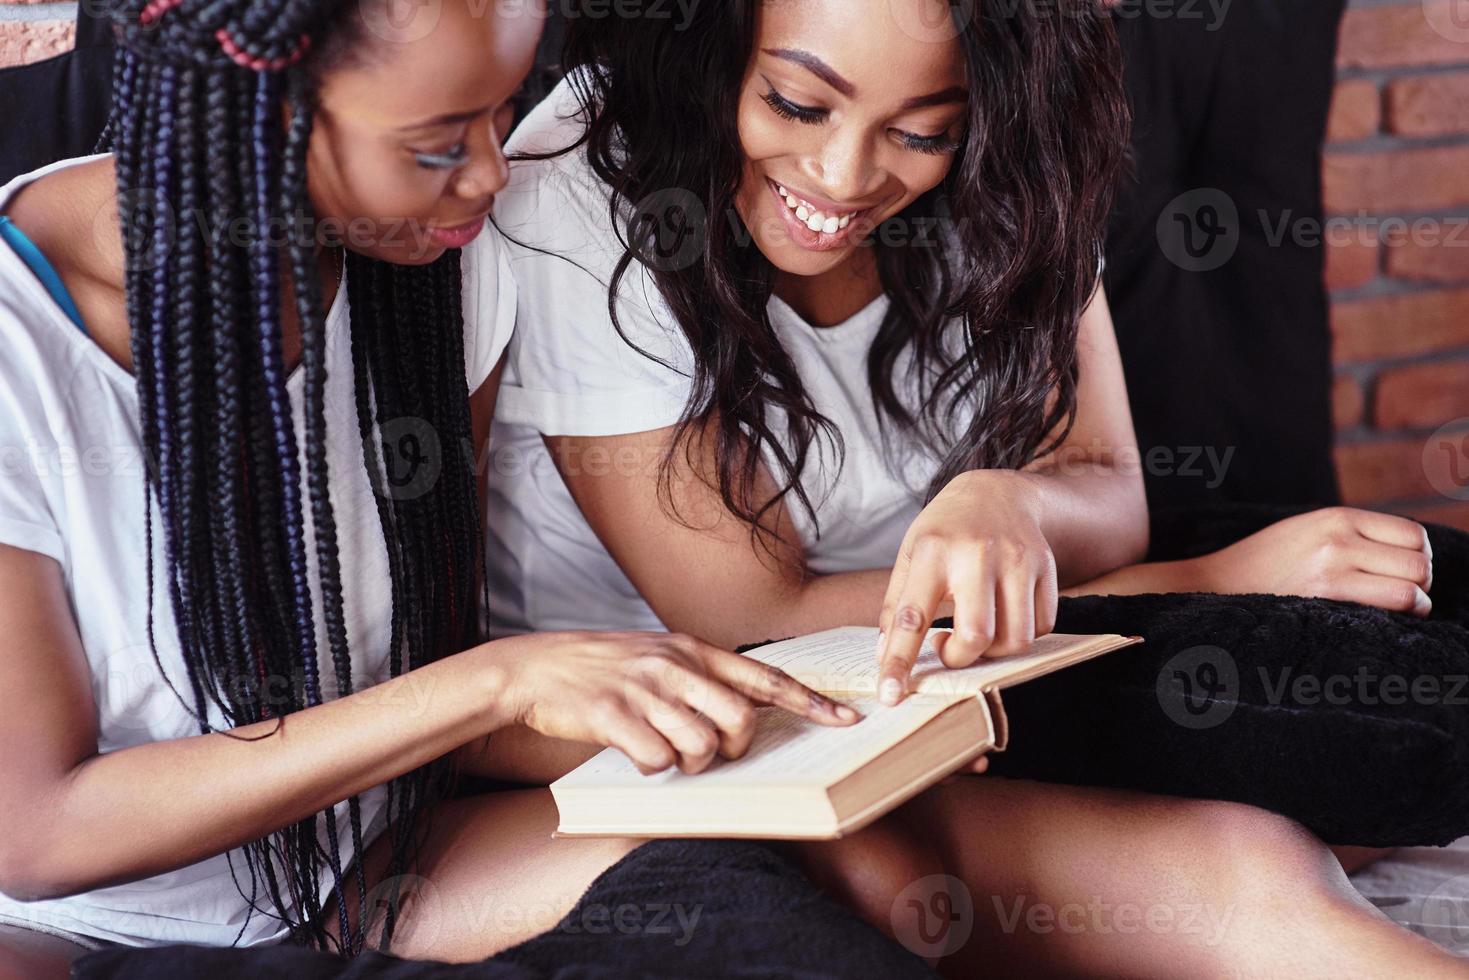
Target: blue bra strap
point(43, 269)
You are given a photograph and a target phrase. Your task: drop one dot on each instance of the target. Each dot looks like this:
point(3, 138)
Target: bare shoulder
point(71, 216)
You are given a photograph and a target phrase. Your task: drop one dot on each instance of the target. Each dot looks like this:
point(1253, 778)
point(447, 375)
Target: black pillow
point(1349, 719)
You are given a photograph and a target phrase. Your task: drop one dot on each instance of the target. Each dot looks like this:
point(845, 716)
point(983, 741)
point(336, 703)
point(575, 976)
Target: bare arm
point(76, 820)
point(709, 579)
point(1334, 553)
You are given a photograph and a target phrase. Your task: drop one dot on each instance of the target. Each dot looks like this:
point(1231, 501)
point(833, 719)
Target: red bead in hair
point(156, 9)
point(244, 59)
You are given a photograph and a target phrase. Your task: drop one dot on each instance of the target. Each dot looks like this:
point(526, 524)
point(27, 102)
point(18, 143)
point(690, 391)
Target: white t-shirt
point(569, 373)
point(71, 488)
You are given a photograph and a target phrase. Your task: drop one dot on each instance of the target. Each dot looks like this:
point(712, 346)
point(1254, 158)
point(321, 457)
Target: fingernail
point(892, 690)
point(846, 712)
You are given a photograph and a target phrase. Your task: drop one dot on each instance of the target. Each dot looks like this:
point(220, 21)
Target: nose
point(486, 172)
point(846, 168)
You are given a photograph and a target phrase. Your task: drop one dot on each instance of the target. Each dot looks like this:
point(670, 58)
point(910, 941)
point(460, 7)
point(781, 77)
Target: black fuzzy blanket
point(670, 909)
point(1349, 719)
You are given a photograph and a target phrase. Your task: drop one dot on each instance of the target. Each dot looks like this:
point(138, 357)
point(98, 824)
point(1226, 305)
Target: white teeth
point(811, 216)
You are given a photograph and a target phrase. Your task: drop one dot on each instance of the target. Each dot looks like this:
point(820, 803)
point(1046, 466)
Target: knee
point(1255, 851)
point(885, 873)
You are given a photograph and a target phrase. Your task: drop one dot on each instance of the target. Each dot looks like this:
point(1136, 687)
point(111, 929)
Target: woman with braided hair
point(247, 361)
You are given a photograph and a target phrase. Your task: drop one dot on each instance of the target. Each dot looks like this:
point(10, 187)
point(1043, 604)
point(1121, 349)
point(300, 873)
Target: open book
point(805, 780)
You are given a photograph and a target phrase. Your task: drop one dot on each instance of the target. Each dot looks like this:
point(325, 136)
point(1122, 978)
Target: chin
point(413, 257)
point(796, 261)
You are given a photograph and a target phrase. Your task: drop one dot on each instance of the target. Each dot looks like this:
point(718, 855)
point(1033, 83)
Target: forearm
point(1095, 517)
point(523, 755)
point(1155, 577)
point(137, 812)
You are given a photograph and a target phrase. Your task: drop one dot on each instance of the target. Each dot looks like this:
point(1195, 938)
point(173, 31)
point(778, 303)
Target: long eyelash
point(929, 144)
point(443, 161)
point(789, 110)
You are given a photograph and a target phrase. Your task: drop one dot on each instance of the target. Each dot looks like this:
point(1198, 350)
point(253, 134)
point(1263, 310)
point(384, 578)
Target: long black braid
point(209, 168)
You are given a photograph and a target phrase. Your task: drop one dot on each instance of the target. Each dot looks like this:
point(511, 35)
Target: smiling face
point(845, 119)
point(405, 157)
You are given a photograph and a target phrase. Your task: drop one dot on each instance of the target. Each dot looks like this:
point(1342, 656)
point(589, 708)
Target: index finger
point(913, 614)
point(765, 684)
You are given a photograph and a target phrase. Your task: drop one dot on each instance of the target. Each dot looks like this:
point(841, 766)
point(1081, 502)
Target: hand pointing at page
point(978, 545)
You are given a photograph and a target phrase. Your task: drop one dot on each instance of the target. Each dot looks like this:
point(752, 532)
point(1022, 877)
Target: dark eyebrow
point(815, 66)
point(954, 94)
point(447, 119)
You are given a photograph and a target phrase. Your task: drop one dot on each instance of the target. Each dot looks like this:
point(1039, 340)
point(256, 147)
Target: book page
point(844, 661)
point(786, 749)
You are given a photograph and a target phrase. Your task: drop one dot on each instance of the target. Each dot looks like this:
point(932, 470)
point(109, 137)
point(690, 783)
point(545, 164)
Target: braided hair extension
point(202, 149)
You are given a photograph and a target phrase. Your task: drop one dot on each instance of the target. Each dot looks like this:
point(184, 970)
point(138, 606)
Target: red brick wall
point(31, 30)
point(1398, 148)
point(1396, 172)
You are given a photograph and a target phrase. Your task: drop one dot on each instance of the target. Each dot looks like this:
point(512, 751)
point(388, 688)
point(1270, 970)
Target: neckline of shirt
point(40, 298)
point(865, 320)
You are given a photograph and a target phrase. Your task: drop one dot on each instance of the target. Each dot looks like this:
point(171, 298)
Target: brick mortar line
point(1383, 75)
point(1382, 286)
point(32, 12)
point(1392, 142)
point(1367, 372)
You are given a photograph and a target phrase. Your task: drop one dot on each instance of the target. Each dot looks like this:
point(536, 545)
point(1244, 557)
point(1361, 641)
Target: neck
point(836, 295)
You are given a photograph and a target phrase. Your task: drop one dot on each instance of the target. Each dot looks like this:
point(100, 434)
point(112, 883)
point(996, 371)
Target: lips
point(457, 236)
point(817, 227)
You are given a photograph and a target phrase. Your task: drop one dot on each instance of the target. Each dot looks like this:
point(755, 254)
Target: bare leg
point(26, 954)
point(492, 876)
point(1071, 881)
point(1354, 859)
